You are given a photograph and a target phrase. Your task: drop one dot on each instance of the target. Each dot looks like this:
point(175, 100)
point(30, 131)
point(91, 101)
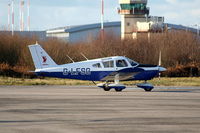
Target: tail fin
point(40, 58)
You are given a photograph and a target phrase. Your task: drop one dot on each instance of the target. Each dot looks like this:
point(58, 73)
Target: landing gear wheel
point(106, 89)
point(118, 90)
point(148, 90)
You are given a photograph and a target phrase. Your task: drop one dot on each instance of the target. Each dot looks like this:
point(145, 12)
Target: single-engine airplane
point(110, 71)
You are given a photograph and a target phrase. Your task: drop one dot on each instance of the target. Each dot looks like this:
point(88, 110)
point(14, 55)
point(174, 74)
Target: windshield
point(133, 63)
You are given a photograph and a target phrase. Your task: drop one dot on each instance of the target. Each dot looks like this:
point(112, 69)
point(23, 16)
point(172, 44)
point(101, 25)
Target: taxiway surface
point(62, 109)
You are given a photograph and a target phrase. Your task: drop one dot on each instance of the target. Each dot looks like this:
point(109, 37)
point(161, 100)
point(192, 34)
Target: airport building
point(135, 19)
point(135, 22)
point(84, 33)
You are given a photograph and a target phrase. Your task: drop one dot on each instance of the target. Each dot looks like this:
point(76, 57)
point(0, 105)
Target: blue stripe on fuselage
point(99, 75)
point(93, 76)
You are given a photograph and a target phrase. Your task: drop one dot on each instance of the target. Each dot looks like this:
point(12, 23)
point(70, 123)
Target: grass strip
point(55, 81)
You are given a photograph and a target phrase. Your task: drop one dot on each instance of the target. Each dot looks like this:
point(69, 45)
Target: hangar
point(86, 33)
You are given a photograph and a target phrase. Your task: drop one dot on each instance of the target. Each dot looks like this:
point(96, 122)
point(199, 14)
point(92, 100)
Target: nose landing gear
point(146, 86)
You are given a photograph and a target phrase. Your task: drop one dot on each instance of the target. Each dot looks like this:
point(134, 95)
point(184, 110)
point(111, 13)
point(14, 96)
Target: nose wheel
point(146, 86)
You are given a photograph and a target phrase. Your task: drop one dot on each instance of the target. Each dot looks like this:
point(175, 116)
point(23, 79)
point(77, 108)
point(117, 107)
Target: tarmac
point(85, 109)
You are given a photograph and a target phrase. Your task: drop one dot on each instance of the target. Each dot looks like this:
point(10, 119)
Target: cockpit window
point(121, 63)
point(133, 63)
point(108, 64)
point(98, 65)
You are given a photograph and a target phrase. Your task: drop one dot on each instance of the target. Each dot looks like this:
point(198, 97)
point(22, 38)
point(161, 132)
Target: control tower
point(135, 18)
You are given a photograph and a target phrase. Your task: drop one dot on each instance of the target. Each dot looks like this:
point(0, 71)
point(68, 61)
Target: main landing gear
point(120, 87)
point(106, 87)
point(109, 86)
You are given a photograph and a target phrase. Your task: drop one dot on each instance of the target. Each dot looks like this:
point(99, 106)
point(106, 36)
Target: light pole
point(13, 18)
point(102, 19)
point(29, 21)
point(9, 5)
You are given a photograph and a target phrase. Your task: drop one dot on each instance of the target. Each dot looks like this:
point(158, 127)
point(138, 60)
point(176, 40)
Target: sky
point(47, 14)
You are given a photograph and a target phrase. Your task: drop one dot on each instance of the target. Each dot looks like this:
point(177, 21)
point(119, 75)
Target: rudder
point(40, 58)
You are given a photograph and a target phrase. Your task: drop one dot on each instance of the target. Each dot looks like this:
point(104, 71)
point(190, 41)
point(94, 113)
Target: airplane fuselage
point(87, 71)
point(117, 68)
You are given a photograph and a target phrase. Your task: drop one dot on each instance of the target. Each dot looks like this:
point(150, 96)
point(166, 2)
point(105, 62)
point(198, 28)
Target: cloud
point(47, 14)
point(195, 12)
point(178, 11)
point(54, 16)
point(171, 1)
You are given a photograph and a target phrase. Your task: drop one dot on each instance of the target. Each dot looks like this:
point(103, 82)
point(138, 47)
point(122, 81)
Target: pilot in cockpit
point(121, 63)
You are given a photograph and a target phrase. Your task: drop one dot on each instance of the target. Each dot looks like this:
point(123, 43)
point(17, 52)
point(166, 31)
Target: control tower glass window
point(138, 6)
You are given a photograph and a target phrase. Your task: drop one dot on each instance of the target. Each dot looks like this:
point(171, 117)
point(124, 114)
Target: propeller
point(160, 59)
point(160, 69)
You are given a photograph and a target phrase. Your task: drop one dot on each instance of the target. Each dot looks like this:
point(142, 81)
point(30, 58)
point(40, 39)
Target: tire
point(148, 90)
point(118, 90)
point(106, 88)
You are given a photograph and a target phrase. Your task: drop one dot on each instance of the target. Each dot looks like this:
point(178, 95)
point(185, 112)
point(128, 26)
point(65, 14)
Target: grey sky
point(47, 14)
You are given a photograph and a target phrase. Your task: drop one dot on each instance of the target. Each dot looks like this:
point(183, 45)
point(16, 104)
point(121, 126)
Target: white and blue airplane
point(110, 71)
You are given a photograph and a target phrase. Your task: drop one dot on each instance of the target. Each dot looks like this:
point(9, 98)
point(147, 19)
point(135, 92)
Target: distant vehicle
point(110, 71)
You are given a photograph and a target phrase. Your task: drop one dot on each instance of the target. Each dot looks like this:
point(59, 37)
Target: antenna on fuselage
point(70, 58)
point(84, 56)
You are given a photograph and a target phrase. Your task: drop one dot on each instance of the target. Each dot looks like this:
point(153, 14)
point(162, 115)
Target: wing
point(124, 74)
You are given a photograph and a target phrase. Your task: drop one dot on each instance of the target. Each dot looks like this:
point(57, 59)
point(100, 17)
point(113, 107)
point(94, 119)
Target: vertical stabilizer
point(40, 58)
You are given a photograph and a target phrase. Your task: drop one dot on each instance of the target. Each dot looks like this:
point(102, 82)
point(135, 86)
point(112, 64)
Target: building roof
point(181, 27)
point(83, 27)
point(78, 28)
point(92, 26)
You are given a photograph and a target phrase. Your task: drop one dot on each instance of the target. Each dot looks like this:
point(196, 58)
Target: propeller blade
point(160, 59)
